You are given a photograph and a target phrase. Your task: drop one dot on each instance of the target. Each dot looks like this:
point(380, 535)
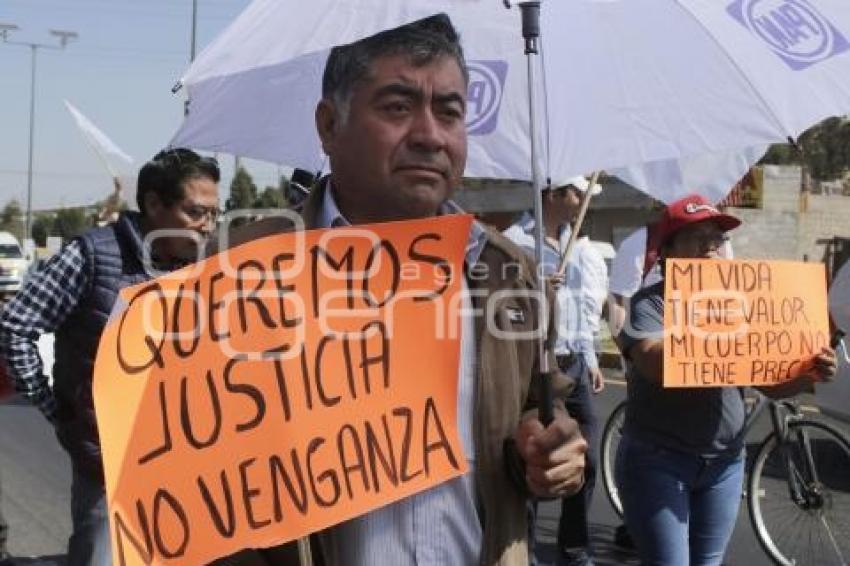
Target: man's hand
point(597, 380)
point(556, 280)
point(554, 456)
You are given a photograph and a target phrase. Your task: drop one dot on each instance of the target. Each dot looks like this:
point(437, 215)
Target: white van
point(13, 265)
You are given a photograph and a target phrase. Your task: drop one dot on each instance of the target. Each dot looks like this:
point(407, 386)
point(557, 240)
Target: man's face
point(565, 203)
point(402, 150)
point(195, 214)
point(701, 240)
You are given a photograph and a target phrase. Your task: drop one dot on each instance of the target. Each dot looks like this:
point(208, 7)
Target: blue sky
point(118, 73)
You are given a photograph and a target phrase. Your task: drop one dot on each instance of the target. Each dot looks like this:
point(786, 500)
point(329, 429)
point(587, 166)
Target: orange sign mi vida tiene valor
point(742, 323)
point(281, 387)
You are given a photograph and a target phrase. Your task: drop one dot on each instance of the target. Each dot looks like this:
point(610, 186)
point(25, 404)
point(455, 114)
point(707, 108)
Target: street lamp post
point(192, 40)
point(64, 37)
point(194, 29)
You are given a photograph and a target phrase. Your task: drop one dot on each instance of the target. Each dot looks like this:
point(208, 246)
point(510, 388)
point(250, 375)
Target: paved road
point(36, 481)
point(36, 484)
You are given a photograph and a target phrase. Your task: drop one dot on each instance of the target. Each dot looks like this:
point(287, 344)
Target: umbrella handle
point(546, 410)
point(305, 555)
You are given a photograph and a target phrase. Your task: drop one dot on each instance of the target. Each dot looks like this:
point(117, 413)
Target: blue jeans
point(89, 543)
point(679, 508)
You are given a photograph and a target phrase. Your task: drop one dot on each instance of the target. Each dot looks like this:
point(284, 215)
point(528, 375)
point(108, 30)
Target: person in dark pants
point(574, 525)
point(73, 296)
point(581, 294)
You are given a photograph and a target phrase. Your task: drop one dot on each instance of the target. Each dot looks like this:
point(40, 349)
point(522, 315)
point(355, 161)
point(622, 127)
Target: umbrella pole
point(531, 33)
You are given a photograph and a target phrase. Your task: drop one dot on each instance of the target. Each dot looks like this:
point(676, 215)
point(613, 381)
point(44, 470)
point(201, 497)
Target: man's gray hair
point(422, 41)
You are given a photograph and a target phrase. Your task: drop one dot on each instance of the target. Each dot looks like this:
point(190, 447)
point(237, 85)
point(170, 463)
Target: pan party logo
point(484, 97)
point(799, 34)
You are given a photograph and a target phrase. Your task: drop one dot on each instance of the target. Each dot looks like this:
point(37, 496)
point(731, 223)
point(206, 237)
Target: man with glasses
point(73, 296)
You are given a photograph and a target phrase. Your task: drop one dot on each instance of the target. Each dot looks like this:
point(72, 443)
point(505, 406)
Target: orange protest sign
point(281, 387)
point(742, 323)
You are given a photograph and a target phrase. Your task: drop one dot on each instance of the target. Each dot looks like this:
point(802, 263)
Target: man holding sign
point(680, 464)
point(391, 120)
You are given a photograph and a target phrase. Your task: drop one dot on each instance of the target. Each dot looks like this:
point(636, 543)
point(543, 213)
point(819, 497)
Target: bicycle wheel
point(608, 453)
point(814, 526)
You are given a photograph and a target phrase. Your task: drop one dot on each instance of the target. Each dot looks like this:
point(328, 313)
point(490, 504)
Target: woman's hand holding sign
point(824, 367)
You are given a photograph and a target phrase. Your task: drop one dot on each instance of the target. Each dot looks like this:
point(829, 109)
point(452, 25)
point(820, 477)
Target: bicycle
point(797, 487)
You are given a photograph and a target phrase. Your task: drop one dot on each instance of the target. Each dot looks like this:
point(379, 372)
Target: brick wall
point(780, 230)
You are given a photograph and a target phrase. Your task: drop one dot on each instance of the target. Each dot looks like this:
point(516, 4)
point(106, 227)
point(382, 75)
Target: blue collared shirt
point(582, 295)
point(438, 526)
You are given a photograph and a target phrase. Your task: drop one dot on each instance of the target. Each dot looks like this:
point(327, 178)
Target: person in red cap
point(680, 464)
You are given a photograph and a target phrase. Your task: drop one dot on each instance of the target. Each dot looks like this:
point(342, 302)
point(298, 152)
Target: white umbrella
point(253, 91)
point(674, 96)
point(692, 79)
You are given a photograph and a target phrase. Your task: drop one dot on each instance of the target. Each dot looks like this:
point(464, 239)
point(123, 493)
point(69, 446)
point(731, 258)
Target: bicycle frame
point(780, 414)
point(783, 412)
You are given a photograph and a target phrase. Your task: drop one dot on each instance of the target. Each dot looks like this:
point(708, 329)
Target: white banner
point(104, 147)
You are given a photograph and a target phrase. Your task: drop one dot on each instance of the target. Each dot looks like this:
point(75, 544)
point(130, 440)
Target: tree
point(41, 228)
point(823, 148)
point(70, 222)
point(243, 191)
point(11, 219)
point(781, 154)
point(271, 197)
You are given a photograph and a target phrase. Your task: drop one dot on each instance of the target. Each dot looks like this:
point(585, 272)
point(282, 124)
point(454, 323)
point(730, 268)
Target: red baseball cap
point(690, 210)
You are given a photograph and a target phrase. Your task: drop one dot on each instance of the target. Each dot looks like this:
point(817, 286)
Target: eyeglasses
point(706, 237)
point(197, 212)
point(717, 241)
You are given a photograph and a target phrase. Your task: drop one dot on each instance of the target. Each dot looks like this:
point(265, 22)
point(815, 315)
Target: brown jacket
point(506, 386)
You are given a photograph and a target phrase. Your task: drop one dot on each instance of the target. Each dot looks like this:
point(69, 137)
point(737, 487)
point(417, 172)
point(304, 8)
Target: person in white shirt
point(581, 293)
point(627, 276)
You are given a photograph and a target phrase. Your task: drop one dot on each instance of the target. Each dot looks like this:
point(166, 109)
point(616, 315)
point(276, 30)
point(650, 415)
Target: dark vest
point(113, 260)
